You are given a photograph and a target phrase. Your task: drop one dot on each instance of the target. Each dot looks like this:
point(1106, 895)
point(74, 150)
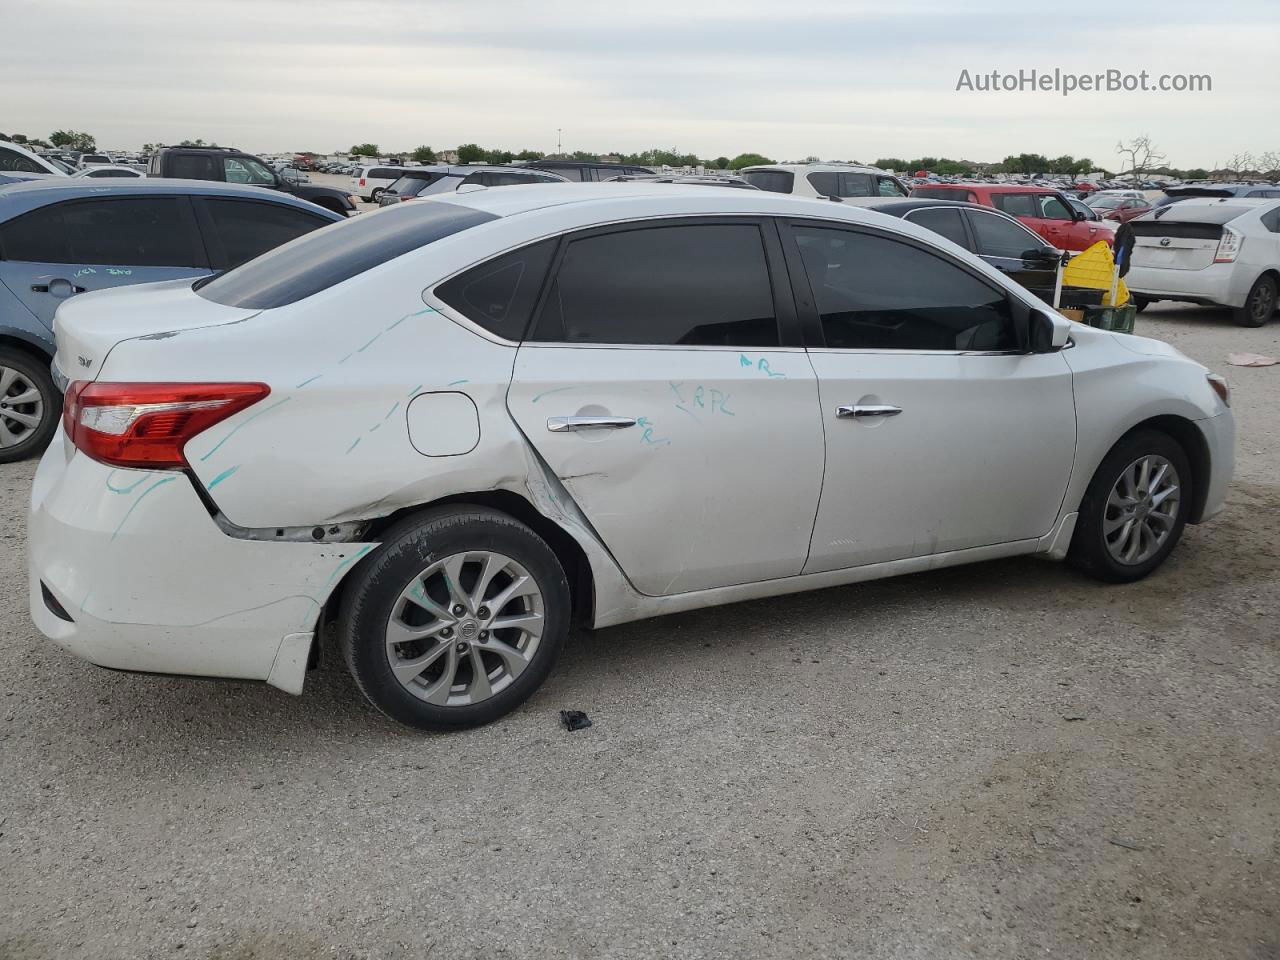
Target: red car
point(1045, 211)
point(1119, 209)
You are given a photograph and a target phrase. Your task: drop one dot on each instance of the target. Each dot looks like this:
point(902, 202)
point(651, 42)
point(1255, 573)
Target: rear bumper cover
point(151, 584)
point(1210, 285)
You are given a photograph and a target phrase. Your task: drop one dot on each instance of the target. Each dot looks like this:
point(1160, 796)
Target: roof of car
point(991, 187)
point(466, 169)
point(1197, 208)
point(814, 167)
point(18, 198)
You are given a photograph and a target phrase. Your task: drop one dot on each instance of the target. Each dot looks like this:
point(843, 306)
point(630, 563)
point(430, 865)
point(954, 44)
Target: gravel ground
point(1004, 760)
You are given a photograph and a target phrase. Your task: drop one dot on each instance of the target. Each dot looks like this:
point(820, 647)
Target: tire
point(26, 427)
point(1259, 305)
point(376, 195)
point(388, 592)
point(1141, 303)
point(1102, 520)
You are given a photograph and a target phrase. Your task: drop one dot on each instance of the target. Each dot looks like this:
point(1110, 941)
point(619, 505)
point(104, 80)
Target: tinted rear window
point(321, 259)
point(775, 181)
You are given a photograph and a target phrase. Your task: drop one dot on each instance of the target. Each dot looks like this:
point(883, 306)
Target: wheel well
point(577, 569)
point(1188, 436)
point(25, 346)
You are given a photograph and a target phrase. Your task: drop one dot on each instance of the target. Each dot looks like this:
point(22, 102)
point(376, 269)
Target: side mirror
point(1047, 332)
point(1076, 215)
point(1040, 257)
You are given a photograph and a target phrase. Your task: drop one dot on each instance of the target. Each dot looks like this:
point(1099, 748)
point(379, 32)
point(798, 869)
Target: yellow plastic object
point(1093, 268)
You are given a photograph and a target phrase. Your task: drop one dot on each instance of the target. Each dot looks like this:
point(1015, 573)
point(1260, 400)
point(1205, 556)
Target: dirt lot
point(1004, 760)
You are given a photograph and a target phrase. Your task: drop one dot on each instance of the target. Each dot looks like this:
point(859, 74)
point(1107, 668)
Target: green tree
point(894, 163)
point(73, 140)
point(498, 156)
point(471, 153)
point(530, 155)
point(720, 163)
point(197, 143)
point(748, 160)
point(365, 150)
point(1195, 173)
point(424, 154)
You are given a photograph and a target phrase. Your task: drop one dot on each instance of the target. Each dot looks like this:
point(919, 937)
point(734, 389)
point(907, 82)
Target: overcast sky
point(840, 80)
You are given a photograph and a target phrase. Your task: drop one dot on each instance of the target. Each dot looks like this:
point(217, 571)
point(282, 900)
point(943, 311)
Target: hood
point(1151, 348)
point(86, 327)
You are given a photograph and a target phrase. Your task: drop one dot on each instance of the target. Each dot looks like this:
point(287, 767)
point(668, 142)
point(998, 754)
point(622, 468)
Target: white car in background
point(1221, 252)
point(15, 158)
point(368, 182)
point(824, 180)
point(109, 170)
point(456, 427)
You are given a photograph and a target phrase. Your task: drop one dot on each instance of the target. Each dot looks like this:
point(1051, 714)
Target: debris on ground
point(1251, 360)
point(1124, 843)
point(574, 720)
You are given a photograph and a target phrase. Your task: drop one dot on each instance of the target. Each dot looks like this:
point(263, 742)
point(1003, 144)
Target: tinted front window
point(249, 228)
point(703, 284)
point(410, 185)
point(98, 174)
point(192, 166)
point(500, 295)
point(775, 181)
point(1053, 208)
point(323, 258)
point(889, 187)
point(246, 170)
point(133, 232)
point(876, 293)
point(857, 185)
point(998, 237)
point(946, 222)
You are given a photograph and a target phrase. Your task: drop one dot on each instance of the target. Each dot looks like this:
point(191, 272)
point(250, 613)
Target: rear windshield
point(775, 181)
point(1216, 213)
point(411, 183)
point(320, 259)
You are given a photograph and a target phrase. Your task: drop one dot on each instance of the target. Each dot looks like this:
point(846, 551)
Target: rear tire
point(376, 195)
point(1141, 303)
point(456, 619)
point(1126, 527)
point(1258, 306)
point(29, 406)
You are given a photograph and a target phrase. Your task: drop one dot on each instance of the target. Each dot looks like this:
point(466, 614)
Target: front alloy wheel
point(1142, 510)
point(1132, 514)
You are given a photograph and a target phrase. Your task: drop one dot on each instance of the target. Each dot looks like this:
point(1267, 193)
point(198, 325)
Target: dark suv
point(227, 165)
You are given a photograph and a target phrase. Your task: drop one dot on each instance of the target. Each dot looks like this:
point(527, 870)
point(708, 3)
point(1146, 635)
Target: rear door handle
point(862, 410)
point(573, 424)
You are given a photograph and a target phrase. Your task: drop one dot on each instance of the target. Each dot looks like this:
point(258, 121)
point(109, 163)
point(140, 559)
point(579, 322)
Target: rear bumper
point(150, 583)
point(1211, 285)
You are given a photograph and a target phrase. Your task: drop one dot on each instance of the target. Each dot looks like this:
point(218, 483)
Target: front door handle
point(862, 410)
point(59, 288)
point(573, 424)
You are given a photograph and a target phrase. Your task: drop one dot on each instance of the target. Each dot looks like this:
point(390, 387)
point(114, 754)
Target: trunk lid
point(86, 327)
point(1175, 246)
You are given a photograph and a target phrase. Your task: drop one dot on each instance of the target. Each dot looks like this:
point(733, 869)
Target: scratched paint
point(547, 393)
point(241, 425)
point(223, 476)
point(134, 506)
point(309, 380)
point(409, 316)
point(347, 562)
point(131, 487)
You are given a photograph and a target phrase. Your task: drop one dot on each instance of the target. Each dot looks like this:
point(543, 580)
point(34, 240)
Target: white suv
point(1218, 251)
point(824, 180)
point(369, 182)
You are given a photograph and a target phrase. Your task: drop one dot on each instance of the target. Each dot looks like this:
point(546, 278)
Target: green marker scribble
point(222, 476)
point(243, 423)
point(134, 506)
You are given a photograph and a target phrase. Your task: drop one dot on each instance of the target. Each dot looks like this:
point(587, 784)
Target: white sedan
point(454, 428)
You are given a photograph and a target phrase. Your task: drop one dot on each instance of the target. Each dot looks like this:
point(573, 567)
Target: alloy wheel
point(464, 628)
point(21, 407)
point(1142, 510)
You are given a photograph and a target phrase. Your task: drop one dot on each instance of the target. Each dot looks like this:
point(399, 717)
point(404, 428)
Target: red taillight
point(362, 181)
point(148, 424)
